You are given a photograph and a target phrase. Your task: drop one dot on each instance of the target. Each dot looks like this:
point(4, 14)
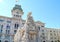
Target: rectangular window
point(17, 15)
point(51, 37)
point(42, 30)
point(0, 36)
point(1, 28)
point(15, 31)
point(8, 21)
point(43, 37)
point(51, 34)
point(43, 34)
point(16, 26)
point(1, 31)
point(39, 27)
point(42, 26)
point(50, 30)
point(7, 27)
point(1, 20)
point(7, 31)
point(55, 37)
point(55, 34)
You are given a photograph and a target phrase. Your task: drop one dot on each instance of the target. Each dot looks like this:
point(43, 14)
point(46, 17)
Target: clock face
point(17, 12)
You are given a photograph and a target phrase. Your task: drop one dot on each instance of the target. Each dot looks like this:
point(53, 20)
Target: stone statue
point(29, 14)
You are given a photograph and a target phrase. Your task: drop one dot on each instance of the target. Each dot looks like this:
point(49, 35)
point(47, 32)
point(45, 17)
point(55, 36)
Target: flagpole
point(16, 1)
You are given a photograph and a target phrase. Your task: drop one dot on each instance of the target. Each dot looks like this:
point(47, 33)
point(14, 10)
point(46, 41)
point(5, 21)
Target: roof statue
point(29, 14)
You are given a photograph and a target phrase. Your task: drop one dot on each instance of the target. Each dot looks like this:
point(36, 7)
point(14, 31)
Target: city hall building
point(15, 29)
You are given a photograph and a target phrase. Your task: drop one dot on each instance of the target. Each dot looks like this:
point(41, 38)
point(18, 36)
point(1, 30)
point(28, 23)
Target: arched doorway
point(51, 41)
point(0, 40)
point(43, 41)
point(6, 41)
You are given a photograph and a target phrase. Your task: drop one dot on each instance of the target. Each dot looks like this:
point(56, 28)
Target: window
point(54, 31)
point(43, 37)
point(50, 31)
point(1, 31)
point(51, 38)
point(8, 21)
point(42, 26)
point(14, 15)
point(1, 28)
point(15, 31)
point(23, 23)
point(28, 24)
point(1, 20)
point(55, 37)
point(55, 41)
point(20, 16)
point(0, 36)
point(55, 34)
point(51, 34)
point(43, 34)
point(16, 26)
point(39, 28)
point(17, 15)
point(7, 27)
point(42, 30)
point(7, 31)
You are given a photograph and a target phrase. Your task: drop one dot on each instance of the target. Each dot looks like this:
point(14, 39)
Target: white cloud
point(1, 1)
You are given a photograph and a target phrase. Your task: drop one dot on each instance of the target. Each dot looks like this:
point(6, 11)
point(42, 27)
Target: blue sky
point(47, 11)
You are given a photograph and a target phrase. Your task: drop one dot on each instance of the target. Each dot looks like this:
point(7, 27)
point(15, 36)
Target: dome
point(17, 7)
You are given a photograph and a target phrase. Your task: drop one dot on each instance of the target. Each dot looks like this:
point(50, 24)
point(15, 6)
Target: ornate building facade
point(9, 25)
point(15, 29)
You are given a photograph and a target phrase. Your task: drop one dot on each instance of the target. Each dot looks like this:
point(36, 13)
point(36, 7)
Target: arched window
point(16, 26)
